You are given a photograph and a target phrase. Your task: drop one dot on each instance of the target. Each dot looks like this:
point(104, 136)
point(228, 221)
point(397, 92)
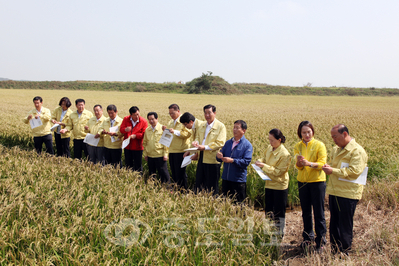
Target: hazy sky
point(327, 43)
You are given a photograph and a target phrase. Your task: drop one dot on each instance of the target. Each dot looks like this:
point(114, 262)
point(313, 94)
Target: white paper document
point(114, 130)
point(35, 122)
point(166, 138)
point(260, 172)
point(191, 149)
point(56, 128)
point(362, 179)
point(186, 161)
point(125, 143)
point(91, 140)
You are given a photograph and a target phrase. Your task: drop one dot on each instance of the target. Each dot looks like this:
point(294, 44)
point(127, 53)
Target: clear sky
point(351, 43)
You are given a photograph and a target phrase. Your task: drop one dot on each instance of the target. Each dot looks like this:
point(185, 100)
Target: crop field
point(61, 211)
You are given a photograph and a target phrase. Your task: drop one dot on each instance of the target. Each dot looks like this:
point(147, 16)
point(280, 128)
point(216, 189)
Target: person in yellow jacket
point(96, 153)
point(180, 142)
point(210, 138)
point(39, 118)
point(76, 124)
point(275, 165)
point(60, 116)
point(311, 155)
point(191, 122)
point(112, 140)
point(154, 152)
point(348, 162)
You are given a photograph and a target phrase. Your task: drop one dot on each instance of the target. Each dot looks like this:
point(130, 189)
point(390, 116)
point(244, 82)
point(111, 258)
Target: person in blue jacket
point(236, 155)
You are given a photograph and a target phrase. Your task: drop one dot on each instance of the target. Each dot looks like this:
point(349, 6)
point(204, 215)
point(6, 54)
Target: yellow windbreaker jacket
point(215, 140)
point(314, 152)
point(107, 138)
point(182, 142)
point(94, 127)
point(276, 167)
point(56, 115)
point(152, 147)
point(77, 125)
point(45, 116)
point(354, 155)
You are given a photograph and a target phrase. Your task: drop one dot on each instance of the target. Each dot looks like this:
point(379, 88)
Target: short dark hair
point(277, 134)
point(186, 118)
point(97, 105)
point(66, 100)
point(79, 101)
point(133, 110)
point(174, 107)
point(210, 106)
point(154, 114)
point(38, 98)
point(112, 107)
point(304, 124)
point(342, 128)
point(242, 124)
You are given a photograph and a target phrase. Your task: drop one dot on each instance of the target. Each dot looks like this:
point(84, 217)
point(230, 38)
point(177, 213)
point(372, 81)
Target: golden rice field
point(59, 211)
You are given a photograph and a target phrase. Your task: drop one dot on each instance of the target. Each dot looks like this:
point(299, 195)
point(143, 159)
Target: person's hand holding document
point(113, 130)
point(260, 172)
point(35, 122)
point(56, 128)
point(125, 143)
point(91, 139)
point(362, 179)
point(166, 138)
point(187, 160)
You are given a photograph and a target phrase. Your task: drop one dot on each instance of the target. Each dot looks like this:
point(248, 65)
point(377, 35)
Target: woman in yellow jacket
point(311, 155)
point(275, 164)
point(60, 116)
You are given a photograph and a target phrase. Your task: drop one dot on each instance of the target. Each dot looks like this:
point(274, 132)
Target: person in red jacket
point(133, 126)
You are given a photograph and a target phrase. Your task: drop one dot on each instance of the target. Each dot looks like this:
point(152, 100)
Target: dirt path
point(369, 244)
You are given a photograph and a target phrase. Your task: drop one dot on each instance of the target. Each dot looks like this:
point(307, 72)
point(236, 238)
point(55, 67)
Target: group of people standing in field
point(207, 143)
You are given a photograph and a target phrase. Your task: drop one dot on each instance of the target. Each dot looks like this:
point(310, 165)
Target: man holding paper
point(112, 140)
point(236, 155)
point(180, 142)
point(190, 122)
point(209, 139)
point(39, 120)
point(76, 124)
point(96, 152)
point(133, 127)
point(155, 153)
point(348, 161)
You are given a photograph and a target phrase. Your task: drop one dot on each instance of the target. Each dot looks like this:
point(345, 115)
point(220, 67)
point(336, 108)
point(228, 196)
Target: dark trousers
point(78, 147)
point(238, 190)
point(275, 203)
point(312, 195)
point(113, 157)
point(341, 223)
point(133, 160)
point(207, 177)
point(158, 164)
point(179, 175)
point(96, 154)
point(62, 145)
point(48, 142)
